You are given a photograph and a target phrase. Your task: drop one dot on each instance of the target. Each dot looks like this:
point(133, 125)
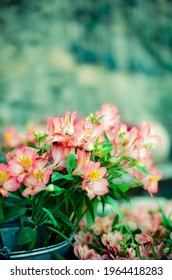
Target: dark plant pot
point(9, 237)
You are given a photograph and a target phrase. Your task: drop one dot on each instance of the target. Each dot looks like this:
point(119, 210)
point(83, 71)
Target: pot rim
point(39, 251)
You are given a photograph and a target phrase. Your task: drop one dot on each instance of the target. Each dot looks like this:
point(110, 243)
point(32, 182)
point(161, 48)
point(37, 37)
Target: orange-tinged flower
point(11, 137)
point(103, 224)
point(83, 158)
point(93, 181)
point(22, 161)
point(62, 129)
point(93, 171)
point(110, 117)
point(7, 183)
point(59, 155)
point(96, 187)
point(84, 253)
point(150, 137)
point(38, 178)
point(112, 240)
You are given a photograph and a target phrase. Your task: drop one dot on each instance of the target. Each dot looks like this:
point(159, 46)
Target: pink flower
point(150, 181)
point(150, 138)
point(103, 224)
point(11, 137)
point(96, 187)
point(69, 123)
point(59, 155)
point(143, 238)
point(92, 132)
point(22, 162)
point(93, 171)
point(62, 129)
point(84, 253)
point(7, 182)
point(39, 177)
point(83, 238)
point(159, 249)
point(110, 120)
point(112, 240)
point(93, 182)
point(83, 158)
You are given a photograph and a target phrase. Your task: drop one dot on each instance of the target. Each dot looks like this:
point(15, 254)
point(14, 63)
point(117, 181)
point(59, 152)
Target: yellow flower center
point(94, 174)
point(3, 177)
point(154, 178)
point(25, 161)
point(67, 120)
point(69, 143)
point(38, 175)
point(8, 137)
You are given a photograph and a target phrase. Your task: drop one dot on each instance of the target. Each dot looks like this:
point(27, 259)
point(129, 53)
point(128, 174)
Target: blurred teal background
point(60, 55)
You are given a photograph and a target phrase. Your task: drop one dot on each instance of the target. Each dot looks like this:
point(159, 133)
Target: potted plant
point(53, 175)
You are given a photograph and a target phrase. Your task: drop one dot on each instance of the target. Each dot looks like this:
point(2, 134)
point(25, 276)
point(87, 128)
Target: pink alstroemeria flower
point(7, 183)
point(150, 137)
point(22, 162)
point(84, 253)
point(59, 155)
point(11, 137)
point(110, 118)
point(83, 158)
point(150, 181)
point(92, 132)
point(62, 129)
point(83, 238)
point(37, 180)
point(93, 182)
point(112, 240)
point(103, 224)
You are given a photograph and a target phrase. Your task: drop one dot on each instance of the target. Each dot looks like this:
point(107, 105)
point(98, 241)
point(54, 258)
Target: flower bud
point(50, 188)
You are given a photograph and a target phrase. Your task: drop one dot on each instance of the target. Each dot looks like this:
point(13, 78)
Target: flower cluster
point(101, 144)
point(147, 234)
point(60, 170)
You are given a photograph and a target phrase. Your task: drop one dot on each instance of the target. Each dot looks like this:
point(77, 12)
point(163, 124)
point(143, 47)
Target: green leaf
point(46, 147)
point(1, 215)
point(56, 176)
point(50, 215)
point(142, 169)
point(166, 222)
point(123, 187)
point(90, 220)
point(71, 162)
point(115, 206)
point(13, 212)
point(68, 177)
point(106, 138)
point(91, 211)
point(64, 218)
point(12, 195)
point(60, 234)
point(90, 207)
point(104, 151)
point(117, 171)
point(130, 159)
point(3, 160)
point(57, 191)
point(26, 235)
